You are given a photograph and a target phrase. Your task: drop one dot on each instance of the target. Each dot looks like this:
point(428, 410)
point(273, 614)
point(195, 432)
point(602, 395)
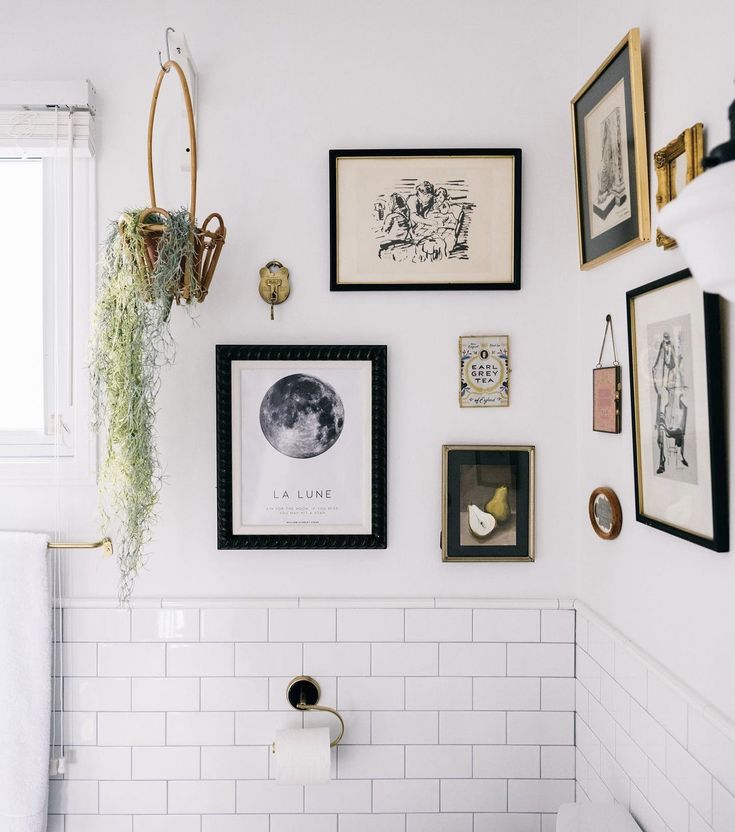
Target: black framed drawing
point(488, 503)
point(610, 157)
point(425, 219)
point(301, 447)
point(678, 410)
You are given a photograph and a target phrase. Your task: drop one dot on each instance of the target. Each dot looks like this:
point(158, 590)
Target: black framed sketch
point(610, 157)
point(301, 447)
point(425, 219)
point(488, 503)
point(678, 410)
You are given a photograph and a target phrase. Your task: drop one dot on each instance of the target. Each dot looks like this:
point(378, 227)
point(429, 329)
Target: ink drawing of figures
point(423, 222)
point(414, 219)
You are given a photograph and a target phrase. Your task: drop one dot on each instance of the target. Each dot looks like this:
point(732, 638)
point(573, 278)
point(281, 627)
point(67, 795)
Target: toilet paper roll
point(302, 756)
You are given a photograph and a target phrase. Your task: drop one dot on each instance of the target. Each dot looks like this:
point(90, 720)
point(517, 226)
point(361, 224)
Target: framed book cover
point(484, 371)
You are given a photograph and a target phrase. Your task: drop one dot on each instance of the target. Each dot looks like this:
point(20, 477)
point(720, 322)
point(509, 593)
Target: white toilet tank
point(594, 817)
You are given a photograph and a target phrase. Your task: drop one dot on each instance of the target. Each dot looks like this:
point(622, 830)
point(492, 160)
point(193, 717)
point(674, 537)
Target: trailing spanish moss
point(131, 341)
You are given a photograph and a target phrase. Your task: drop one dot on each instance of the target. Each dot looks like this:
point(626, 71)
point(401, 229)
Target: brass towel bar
point(105, 544)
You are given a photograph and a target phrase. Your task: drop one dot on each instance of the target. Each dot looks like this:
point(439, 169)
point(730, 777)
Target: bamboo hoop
point(196, 277)
point(192, 133)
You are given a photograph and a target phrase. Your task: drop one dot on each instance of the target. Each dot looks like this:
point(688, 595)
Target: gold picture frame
point(478, 472)
point(690, 144)
point(608, 116)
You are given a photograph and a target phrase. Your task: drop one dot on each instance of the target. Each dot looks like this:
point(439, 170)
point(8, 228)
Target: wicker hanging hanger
point(196, 276)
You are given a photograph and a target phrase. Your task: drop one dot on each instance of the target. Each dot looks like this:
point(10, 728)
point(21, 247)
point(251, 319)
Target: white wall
point(283, 82)
point(669, 596)
point(280, 84)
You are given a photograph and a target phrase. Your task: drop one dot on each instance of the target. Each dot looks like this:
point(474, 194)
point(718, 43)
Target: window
point(47, 252)
point(22, 375)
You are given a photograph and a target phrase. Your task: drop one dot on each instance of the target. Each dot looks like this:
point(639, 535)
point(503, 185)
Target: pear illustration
point(499, 506)
point(481, 524)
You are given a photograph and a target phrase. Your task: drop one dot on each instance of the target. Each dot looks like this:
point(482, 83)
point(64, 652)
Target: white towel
point(25, 681)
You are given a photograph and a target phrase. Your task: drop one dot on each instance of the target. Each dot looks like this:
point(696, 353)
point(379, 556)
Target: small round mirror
point(605, 513)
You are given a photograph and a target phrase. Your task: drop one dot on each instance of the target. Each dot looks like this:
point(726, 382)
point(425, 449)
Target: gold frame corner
point(690, 144)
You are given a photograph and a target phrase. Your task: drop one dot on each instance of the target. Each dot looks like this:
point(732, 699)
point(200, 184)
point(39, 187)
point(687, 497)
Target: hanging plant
point(131, 342)
point(151, 258)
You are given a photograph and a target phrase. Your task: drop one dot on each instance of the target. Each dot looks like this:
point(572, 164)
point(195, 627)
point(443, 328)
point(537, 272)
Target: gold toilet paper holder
point(303, 693)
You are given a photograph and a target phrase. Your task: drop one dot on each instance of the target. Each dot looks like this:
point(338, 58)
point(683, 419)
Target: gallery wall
point(280, 84)
point(669, 596)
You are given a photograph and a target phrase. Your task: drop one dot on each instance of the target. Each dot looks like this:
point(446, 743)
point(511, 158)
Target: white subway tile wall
point(646, 742)
point(459, 718)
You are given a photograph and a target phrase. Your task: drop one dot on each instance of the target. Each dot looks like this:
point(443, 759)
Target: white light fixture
point(702, 220)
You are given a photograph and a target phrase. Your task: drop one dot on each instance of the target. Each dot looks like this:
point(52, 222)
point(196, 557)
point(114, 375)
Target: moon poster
point(301, 449)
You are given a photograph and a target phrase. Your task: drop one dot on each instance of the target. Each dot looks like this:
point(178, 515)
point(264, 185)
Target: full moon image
point(301, 416)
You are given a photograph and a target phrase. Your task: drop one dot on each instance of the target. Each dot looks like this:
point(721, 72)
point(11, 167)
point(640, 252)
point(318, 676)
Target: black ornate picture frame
point(301, 447)
point(678, 412)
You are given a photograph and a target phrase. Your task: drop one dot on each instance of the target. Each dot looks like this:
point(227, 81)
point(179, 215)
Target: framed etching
point(425, 219)
point(484, 371)
point(610, 158)
point(301, 447)
point(488, 510)
point(674, 172)
point(678, 410)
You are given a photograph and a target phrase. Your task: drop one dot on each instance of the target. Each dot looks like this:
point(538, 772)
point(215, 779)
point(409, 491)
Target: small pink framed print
point(606, 399)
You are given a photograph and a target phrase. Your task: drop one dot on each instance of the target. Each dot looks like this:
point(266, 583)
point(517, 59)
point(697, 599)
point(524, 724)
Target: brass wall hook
point(274, 284)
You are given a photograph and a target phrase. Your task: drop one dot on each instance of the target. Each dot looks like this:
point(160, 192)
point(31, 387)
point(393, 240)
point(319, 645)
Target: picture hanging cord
point(608, 328)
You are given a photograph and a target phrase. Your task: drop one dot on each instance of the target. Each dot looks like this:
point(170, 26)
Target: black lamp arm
point(724, 152)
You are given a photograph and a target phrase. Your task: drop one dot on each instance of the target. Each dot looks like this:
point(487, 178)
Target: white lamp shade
point(702, 220)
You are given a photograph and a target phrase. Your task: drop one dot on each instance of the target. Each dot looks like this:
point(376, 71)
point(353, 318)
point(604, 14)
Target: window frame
point(35, 457)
